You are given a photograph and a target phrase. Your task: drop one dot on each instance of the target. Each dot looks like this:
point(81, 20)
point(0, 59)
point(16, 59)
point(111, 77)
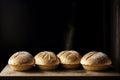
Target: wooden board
point(36, 72)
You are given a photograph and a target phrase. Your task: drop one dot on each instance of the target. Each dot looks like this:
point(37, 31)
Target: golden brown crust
point(20, 67)
point(21, 61)
point(95, 58)
point(21, 58)
point(69, 57)
point(47, 67)
point(95, 68)
point(46, 58)
point(70, 66)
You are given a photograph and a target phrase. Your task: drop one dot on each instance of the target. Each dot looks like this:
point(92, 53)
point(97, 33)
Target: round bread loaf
point(21, 61)
point(69, 59)
point(46, 60)
point(95, 61)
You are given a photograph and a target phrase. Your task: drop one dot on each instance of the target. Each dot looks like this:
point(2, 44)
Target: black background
point(38, 25)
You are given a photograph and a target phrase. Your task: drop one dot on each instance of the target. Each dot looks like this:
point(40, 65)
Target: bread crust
point(21, 61)
point(47, 67)
point(70, 66)
point(95, 58)
point(20, 67)
point(69, 59)
point(95, 61)
point(95, 68)
point(46, 60)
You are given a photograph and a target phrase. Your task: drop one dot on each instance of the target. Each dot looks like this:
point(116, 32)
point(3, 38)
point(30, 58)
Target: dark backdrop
point(37, 25)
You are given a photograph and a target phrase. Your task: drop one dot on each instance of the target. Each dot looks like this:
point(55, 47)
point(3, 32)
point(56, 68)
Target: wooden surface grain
point(36, 72)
